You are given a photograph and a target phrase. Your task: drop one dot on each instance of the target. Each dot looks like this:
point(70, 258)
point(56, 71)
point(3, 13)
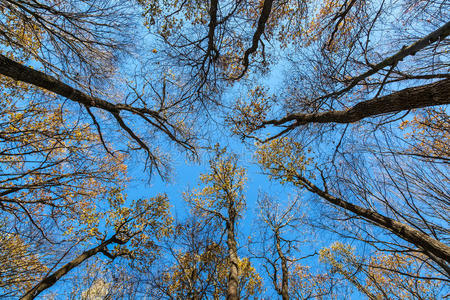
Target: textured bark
point(212, 27)
point(52, 279)
point(434, 249)
point(233, 274)
point(437, 93)
point(284, 291)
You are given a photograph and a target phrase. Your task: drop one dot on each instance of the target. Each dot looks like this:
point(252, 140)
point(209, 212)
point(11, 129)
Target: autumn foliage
point(341, 106)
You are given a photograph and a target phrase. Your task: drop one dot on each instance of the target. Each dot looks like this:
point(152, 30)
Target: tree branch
point(437, 93)
point(52, 279)
point(28, 75)
point(437, 35)
point(434, 249)
point(265, 13)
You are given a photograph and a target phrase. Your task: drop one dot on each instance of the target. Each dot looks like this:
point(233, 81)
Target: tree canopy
point(342, 105)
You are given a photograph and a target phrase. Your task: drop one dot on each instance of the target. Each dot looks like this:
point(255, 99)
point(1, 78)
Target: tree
point(193, 265)
point(197, 266)
point(201, 36)
point(135, 231)
point(63, 40)
point(344, 73)
point(200, 41)
point(286, 161)
point(77, 40)
point(57, 161)
point(279, 247)
point(20, 266)
point(50, 164)
point(54, 174)
point(360, 124)
point(277, 222)
point(221, 202)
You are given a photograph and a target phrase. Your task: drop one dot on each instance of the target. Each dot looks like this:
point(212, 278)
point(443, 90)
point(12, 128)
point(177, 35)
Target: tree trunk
point(233, 274)
point(19, 72)
point(284, 269)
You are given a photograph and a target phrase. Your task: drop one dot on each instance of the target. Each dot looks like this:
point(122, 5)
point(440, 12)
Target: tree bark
point(19, 72)
point(437, 93)
point(233, 273)
point(52, 279)
point(284, 269)
point(263, 18)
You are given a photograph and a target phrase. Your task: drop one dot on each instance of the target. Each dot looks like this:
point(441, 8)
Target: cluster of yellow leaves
point(57, 165)
point(395, 284)
point(230, 59)
point(139, 223)
point(337, 250)
point(25, 33)
point(305, 285)
point(223, 188)
point(383, 275)
point(20, 268)
point(429, 132)
point(284, 159)
point(248, 277)
point(323, 24)
point(193, 270)
point(249, 115)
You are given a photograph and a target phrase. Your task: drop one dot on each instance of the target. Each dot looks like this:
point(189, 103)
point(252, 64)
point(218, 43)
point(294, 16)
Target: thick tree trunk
point(284, 269)
point(52, 279)
point(437, 93)
point(434, 249)
point(233, 273)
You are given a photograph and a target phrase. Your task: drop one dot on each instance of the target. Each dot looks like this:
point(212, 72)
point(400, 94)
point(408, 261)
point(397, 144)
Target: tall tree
point(285, 160)
point(221, 202)
point(196, 265)
point(58, 164)
point(278, 246)
point(71, 50)
point(363, 109)
point(345, 72)
point(20, 266)
point(132, 231)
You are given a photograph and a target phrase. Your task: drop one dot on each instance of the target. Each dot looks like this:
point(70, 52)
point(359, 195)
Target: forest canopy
point(265, 149)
